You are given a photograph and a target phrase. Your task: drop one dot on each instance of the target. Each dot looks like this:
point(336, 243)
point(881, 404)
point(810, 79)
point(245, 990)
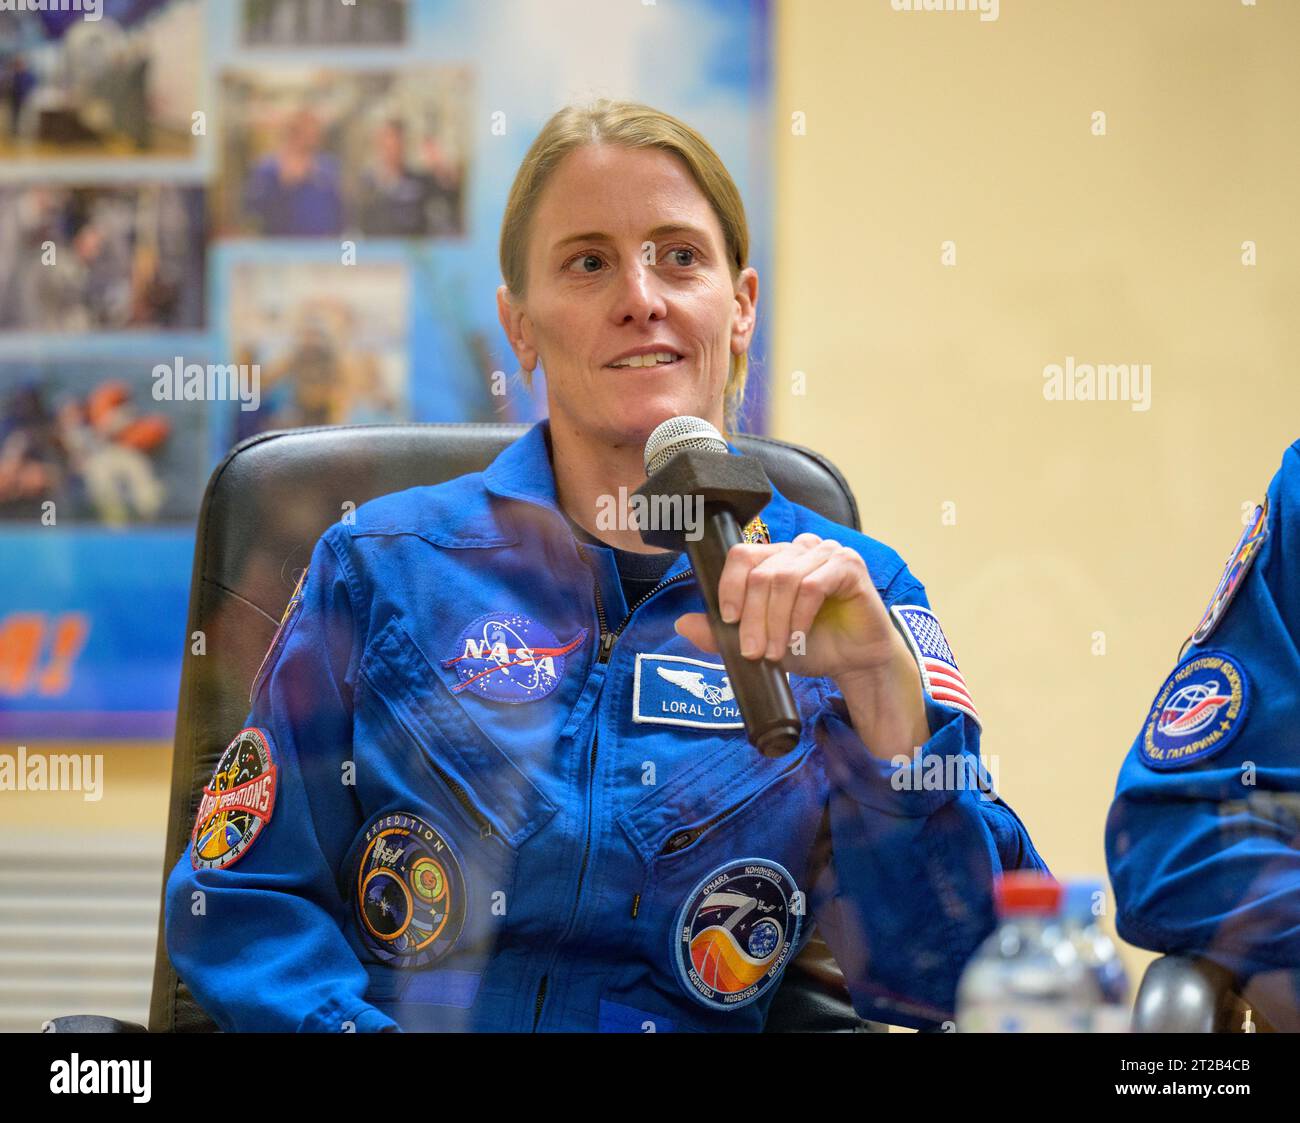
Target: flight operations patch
point(1234, 572)
point(237, 802)
point(1197, 712)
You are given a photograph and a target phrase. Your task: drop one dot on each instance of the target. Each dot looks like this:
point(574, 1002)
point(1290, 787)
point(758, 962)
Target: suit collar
point(523, 471)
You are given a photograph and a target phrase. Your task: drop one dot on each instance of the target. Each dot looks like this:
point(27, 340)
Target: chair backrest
point(265, 506)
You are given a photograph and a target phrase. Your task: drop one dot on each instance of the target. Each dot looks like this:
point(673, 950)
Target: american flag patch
point(939, 674)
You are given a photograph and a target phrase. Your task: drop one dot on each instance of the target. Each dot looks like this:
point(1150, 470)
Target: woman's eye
point(583, 259)
point(674, 257)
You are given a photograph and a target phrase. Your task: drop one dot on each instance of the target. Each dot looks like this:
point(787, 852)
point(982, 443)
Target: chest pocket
point(727, 849)
point(705, 808)
point(472, 806)
point(701, 806)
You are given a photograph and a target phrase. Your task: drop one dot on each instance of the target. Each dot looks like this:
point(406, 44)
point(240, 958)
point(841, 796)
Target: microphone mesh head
point(677, 433)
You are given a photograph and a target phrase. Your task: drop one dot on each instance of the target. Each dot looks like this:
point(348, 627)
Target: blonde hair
point(632, 126)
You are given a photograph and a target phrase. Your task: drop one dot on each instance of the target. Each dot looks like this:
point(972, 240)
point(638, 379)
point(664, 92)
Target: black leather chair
point(1188, 994)
point(265, 506)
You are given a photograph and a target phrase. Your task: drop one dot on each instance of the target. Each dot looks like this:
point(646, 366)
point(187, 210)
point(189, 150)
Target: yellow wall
point(925, 382)
point(134, 789)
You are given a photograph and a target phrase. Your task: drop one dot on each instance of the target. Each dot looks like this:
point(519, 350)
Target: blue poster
point(191, 190)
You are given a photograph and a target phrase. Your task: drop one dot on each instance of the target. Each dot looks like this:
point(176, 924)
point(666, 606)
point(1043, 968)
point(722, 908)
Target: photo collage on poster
point(296, 201)
point(187, 184)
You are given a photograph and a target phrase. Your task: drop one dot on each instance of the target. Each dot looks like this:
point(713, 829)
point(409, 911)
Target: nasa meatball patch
point(735, 932)
point(1234, 573)
point(236, 804)
point(410, 891)
point(510, 657)
point(1197, 712)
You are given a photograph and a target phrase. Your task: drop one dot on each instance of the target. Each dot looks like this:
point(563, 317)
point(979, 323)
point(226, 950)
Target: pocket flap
point(454, 745)
point(717, 784)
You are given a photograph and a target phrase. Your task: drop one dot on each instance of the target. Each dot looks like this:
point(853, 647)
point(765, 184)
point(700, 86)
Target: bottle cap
point(1026, 892)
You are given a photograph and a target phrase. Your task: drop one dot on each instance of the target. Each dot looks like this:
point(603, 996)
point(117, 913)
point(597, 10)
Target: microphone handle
point(762, 690)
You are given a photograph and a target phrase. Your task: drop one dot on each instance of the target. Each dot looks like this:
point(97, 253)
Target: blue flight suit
point(475, 792)
point(1202, 837)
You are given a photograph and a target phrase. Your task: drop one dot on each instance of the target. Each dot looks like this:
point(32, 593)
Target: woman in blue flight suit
point(1202, 837)
point(493, 776)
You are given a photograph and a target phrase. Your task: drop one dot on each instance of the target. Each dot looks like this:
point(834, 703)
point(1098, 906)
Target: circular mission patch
point(1197, 711)
point(1234, 573)
point(236, 804)
point(735, 931)
point(410, 891)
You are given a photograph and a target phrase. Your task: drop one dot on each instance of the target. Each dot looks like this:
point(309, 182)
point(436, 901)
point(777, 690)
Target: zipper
point(605, 647)
point(577, 897)
point(457, 790)
point(537, 1006)
point(675, 843)
point(685, 573)
point(607, 639)
point(484, 824)
point(586, 849)
point(682, 839)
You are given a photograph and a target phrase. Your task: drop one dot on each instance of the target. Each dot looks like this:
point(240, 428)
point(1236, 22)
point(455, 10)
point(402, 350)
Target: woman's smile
point(661, 359)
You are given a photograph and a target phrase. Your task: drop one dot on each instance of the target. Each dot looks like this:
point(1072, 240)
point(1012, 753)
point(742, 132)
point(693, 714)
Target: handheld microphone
point(687, 461)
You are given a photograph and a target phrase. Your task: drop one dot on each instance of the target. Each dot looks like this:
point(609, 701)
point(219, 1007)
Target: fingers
point(775, 577)
point(775, 591)
point(741, 558)
point(694, 626)
point(841, 571)
point(806, 582)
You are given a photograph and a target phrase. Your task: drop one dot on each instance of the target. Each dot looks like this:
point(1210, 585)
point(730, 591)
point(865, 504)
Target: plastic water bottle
point(1028, 976)
point(1099, 955)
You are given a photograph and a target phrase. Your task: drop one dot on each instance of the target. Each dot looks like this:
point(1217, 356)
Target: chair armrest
point(91, 1023)
point(1187, 994)
point(813, 997)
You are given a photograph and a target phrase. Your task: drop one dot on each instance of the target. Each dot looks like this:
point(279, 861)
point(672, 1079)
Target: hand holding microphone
point(807, 606)
point(687, 461)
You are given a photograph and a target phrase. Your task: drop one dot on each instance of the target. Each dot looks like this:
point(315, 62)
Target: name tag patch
point(675, 690)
